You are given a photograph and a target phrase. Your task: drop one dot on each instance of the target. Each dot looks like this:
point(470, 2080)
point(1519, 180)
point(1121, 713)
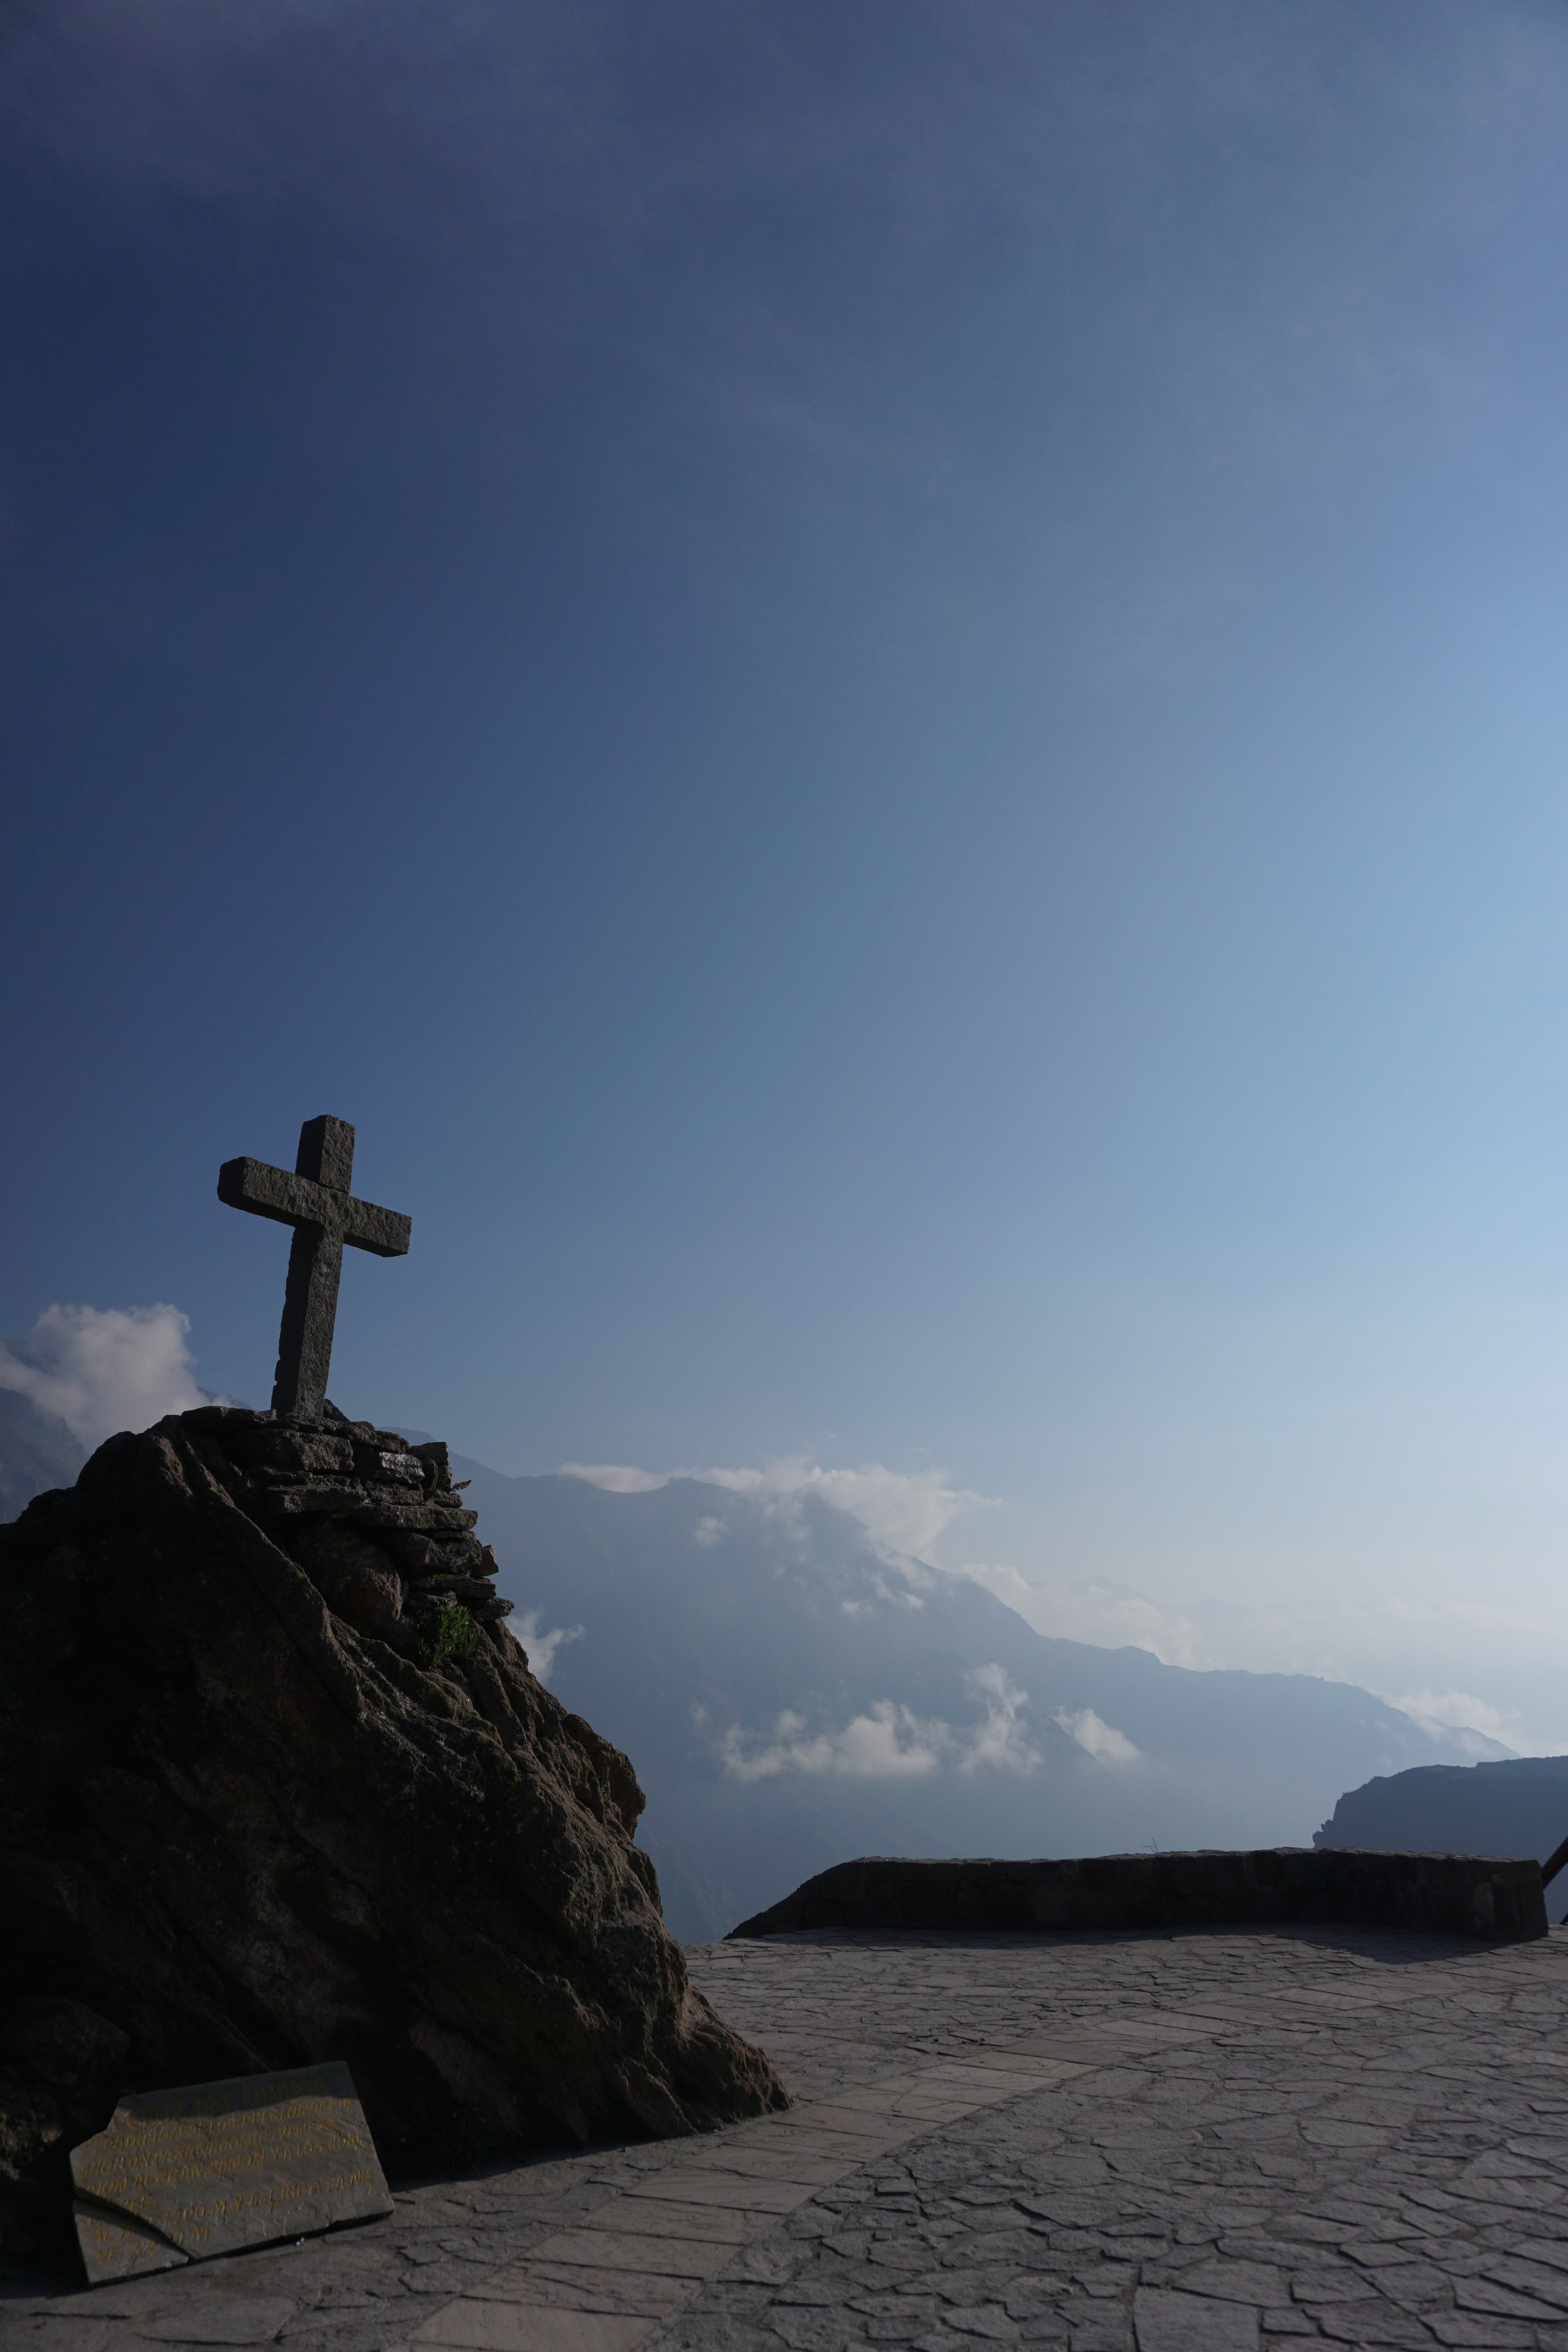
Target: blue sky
point(882, 689)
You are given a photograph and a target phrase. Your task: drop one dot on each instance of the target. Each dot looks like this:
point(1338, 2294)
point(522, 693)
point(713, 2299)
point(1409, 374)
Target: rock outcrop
point(276, 1786)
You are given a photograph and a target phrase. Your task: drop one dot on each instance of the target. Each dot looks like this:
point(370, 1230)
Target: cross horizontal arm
point(278, 1192)
point(384, 1232)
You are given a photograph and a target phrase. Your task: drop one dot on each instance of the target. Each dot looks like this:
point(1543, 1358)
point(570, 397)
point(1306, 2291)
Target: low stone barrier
point(1441, 1894)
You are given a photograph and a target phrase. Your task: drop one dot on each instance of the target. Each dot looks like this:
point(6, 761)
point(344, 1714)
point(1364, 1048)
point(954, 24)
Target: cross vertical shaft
point(326, 1156)
point(310, 1316)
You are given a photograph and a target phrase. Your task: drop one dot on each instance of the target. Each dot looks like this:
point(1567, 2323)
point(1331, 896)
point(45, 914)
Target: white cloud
point(618, 1477)
point(542, 1647)
point(1459, 1713)
point(99, 1370)
point(890, 1742)
point(898, 1596)
point(887, 1743)
point(1002, 1742)
point(1097, 1737)
point(906, 1511)
point(1106, 1614)
point(710, 1530)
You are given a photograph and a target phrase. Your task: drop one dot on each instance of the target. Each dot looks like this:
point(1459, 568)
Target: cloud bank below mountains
point(890, 1742)
point(99, 1370)
point(906, 1511)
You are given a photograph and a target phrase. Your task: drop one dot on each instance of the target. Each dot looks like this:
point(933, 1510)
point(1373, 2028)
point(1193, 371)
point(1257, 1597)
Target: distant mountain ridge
point(1516, 1806)
point(793, 1693)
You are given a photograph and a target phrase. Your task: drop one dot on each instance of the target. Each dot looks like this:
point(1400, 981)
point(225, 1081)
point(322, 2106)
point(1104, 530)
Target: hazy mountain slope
point(920, 1715)
point(1519, 1806)
point(36, 1452)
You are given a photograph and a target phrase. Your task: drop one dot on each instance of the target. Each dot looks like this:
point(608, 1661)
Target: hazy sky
point(882, 688)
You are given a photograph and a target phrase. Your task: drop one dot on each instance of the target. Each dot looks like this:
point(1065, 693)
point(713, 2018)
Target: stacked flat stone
point(376, 1523)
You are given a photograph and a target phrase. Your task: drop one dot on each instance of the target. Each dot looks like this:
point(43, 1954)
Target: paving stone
point(1546, 2283)
point(652, 2256)
point(1485, 2294)
point(794, 2165)
point(724, 2191)
point(586, 2286)
point(510, 2327)
point(723, 2224)
point(235, 2321)
point(1165, 2320)
point(1473, 2335)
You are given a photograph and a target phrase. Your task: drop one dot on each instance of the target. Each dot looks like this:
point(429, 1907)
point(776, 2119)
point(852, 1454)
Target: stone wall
point(1443, 1894)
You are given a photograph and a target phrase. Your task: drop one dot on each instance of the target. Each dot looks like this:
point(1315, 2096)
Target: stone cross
point(316, 1200)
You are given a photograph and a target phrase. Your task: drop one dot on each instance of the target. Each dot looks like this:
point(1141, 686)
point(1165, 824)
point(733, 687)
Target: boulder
point(277, 1787)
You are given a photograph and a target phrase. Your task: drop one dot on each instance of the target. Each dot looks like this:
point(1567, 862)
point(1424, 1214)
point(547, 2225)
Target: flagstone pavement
point(1191, 2143)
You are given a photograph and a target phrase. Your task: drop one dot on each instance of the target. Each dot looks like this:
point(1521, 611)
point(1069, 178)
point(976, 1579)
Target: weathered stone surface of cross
point(316, 1200)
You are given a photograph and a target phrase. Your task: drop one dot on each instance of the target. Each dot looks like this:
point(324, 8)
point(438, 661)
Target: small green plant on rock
point(447, 1631)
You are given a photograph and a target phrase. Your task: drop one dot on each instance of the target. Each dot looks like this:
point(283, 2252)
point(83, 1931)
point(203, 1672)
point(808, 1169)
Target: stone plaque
point(181, 2174)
